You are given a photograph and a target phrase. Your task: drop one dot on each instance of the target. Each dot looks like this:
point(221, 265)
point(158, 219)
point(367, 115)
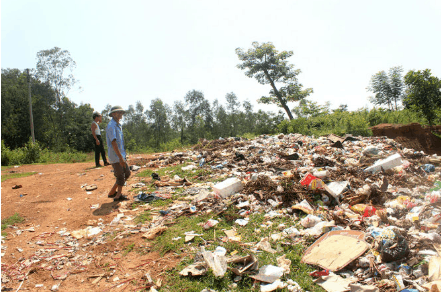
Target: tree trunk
point(278, 95)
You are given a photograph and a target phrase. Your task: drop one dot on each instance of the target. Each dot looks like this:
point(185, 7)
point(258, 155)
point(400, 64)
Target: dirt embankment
point(412, 136)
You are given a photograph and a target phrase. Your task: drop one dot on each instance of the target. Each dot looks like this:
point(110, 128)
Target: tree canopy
point(388, 88)
point(268, 66)
point(423, 93)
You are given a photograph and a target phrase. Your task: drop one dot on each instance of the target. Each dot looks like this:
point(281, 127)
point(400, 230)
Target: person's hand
point(122, 162)
point(97, 142)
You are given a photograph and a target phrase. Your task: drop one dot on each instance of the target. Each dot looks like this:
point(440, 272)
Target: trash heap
point(372, 206)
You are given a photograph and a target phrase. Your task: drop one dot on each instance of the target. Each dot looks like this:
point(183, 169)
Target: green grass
point(128, 249)
point(195, 175)
point(17, 175)
point(211, 238)
point(143, 217)
point(16, 218)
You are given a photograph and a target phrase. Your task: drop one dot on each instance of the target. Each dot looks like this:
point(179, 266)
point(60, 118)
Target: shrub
point(31, 152)
point(6, 153)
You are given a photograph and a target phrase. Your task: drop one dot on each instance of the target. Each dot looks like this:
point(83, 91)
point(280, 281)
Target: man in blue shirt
point(117, 153)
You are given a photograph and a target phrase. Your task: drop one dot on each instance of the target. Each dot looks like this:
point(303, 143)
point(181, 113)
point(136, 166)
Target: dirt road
point(53, 199)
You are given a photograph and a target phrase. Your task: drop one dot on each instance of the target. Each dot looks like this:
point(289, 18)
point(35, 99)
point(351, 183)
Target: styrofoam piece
point(387, 163)
point(228, 187)
point(337, 187)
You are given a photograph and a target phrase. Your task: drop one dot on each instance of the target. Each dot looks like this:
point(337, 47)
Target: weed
point(142, 217)
point(16, 218)
point(128, 249)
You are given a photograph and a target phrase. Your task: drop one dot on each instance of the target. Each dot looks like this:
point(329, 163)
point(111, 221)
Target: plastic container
point(321, 174)
point(228, 187)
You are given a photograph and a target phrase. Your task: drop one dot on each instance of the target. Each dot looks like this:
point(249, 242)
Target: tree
point(269, 66)
point(388, 88)
point(52, 65)
point(220, 128)
point(233, 107)
point(55, 67)
point(200, 114)
point(308, 109)
point(423, 93)
point(159, 114)
point(180, 116)
point(15, 109)
point(341, 108)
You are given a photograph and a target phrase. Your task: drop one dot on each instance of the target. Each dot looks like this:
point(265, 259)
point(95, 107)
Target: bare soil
point(412, 136)
point(45, 206)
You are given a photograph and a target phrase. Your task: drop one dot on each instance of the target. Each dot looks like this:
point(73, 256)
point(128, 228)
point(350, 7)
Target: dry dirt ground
point(46, 208)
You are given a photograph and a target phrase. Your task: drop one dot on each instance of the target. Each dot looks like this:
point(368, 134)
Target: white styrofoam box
point(387, 163)
point(228, 187)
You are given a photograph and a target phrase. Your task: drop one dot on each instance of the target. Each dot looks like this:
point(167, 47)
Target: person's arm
point(93, 127)
point(117, 151)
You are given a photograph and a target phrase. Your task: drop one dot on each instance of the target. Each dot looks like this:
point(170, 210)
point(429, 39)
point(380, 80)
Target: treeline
point(65, 126)
point(62, 126)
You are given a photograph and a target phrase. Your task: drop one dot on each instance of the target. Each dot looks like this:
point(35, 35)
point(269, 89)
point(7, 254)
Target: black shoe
point(106, 164)
point(98, 166)
point(121, 198)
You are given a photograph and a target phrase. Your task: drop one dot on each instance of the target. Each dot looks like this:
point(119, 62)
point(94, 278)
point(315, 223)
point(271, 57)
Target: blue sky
point(129, 51)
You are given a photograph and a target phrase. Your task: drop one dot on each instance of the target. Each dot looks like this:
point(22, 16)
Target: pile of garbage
point(372, 206)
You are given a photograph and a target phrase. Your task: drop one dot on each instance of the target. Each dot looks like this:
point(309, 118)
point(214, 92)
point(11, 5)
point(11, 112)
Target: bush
point(6, 153)
point(31, 152)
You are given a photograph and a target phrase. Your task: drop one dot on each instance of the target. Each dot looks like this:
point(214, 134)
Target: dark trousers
point(99, 149)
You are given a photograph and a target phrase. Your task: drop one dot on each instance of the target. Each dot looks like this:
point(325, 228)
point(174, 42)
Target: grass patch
point(143, 217)
point(17, 175)
point(128, 249)
point(257, 228)
point(197, 175)
point(14, 219)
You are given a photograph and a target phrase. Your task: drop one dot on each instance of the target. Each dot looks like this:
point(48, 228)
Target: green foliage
point(32, 153)
point(58, 122)
point(268, 66)
point(423, 94)
point(388, 89)
point(356, 123)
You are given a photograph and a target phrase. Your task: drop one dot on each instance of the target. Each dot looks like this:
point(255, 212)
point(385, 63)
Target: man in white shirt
point(98, 143)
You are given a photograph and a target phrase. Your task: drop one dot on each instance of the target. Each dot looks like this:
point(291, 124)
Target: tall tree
point(388, 88)
point(15, 109)
point(158, 116)
point(221, 128)
point(269, 66)
point(233, 107)
point(423, 93)
point(55, 66)
point(180, 116)
point(199, 114)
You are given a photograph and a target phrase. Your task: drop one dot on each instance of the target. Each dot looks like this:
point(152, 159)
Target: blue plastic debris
point(429, 168)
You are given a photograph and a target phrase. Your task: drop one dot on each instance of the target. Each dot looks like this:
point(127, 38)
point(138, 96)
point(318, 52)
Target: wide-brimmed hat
point(116, 109)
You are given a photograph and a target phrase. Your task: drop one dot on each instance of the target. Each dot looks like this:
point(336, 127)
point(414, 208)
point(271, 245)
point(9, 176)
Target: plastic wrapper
point(310, 221)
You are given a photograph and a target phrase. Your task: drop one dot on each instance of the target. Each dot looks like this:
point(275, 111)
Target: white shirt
point(97, 129)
